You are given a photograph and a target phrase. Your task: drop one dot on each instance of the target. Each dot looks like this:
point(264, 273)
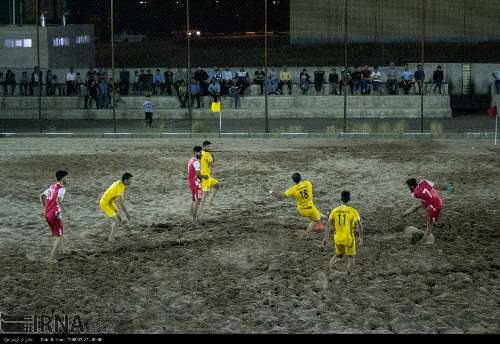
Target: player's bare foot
point(334, 261)
point(429, 240)
point(52, 260)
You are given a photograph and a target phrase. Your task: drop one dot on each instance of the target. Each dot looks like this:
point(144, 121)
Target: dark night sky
point(156, 17)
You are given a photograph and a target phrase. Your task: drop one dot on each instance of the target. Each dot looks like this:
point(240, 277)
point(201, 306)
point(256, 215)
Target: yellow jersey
point(113, 192)
point(303, 194)
point(206, 162)
point(344, 218)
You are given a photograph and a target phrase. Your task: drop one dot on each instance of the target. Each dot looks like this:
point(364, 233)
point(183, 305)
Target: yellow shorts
point(207, 184)
point(109, 209)
point(310, 213)
point(341, 250)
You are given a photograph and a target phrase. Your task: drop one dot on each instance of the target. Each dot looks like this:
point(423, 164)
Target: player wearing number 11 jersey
point(302, 191)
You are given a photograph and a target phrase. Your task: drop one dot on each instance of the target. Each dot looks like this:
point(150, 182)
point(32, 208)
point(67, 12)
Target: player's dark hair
point(345, 196)
point(126, 176)
point(60, 175)
point(412, 183)
point(206, 143)
point(197, 148)
point(296, 177)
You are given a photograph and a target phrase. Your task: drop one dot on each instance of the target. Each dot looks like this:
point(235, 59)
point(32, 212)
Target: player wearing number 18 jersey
point(194, 181)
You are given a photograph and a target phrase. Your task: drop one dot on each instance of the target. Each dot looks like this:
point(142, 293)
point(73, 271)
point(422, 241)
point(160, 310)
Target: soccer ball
point(318, 227)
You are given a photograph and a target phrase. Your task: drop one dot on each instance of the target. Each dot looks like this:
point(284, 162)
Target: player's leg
point(339, 253)
point(196, 205)
point(216, 187)
point(350, 252)
point(55, 249)
point(117, 221)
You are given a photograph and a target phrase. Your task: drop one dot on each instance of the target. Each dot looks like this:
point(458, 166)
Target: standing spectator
point(49, 88)
point(346, 81)
point(70, 82)
point(24, 84)
point(195, 93)
point(214, 90)
point(234, 92)
point(148, 107)
point(242, 80)
point(124, 84)
point(406, 79)
point(157, 83)
point(10, 80)
point(182, 92)
point(392, 79)
point(333, 79)
point(365, 80)
point(285, 78)
point(438, 77)
point(215, 73)
point(376, 79)
point(179, 75)
point(111, 90)
point(36, 81)
point(92, 93)
point(168, 78)
point(419, 78)
point(141, 85)
point(135, 83)
point(259, 78)
point(319, 80)
point(90, 73)
point(2, 84)
point(356, 79)
point(103, 89)
point(227, 77)
point(78, 84)
point(496, 75)
point(149, 81)
point(304, 81)
point(202, 77)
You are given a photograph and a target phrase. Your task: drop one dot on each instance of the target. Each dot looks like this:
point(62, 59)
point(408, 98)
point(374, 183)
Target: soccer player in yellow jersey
point(343, 220)
point(112, 197)
point(207, 181)
point(302, 191)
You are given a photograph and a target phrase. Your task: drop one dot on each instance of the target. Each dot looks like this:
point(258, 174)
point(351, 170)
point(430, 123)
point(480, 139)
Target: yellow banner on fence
point(216, 107)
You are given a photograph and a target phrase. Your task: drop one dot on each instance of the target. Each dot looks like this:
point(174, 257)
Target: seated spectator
point(496, 75)
point(333, 79)
point(24, 84)
point(376, 79)
point(10, 80)
point(157, 83)
point(419, 77)
point(103, 89)
point(227, 77)
point(356, 80)
point(406, 79)
point(135, 83)
point(392, 79)
point(182, 92)
point(168, 78)
point(195, 93)
point(78, 84)
point(214, 90)
point(242, 80)
point(365, 80)
point(202, 77)
point(271, 84)
point(36, 81)
point(57, 86)
point(124, 84)
point(234, 92)
point(285, 79)
point(149, 81)
point(259, 78)
point(319, 80)
point(346, 80)
point(304, 81)
point(49, 88)
point(438, 77)
point(141, 85)
point(3, 87)
point(70, 82)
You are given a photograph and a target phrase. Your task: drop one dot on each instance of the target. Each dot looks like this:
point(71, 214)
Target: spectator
point(124, 84)
point(272, 84)
point(419, 78)
point(227, 77)
point(304, 81)
point(376, 79)
point(365, 80)
point(319, 80)
point(111, 89)
point(93, 92)
point(168, 78)
point(24, 84)
point(182, 92)
point(346, 81)
point(259, 78)
point(285, 78)
point(2, 84)
point(496, 75)
point(148, 107)
point(135, 83)
point(406, 79)
point(78, 84)
point(392, 79)
point(158, 83)
point(438, 77)
point(195, 93)
point(57, 86)
point(356, 79)
point(214, 90)
point(149, 81)
point(90, 73)
point(242, 80)
point(179, 76)
point(215, 73)
point(202, 77)
point(141, 85)
point(234, 92)
point(70, 82)
point(49, 89)
point(103, 89)
point(10, 80)
point(333, 79)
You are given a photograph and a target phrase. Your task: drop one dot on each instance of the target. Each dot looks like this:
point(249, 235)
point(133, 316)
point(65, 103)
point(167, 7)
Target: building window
point(82, 39)
point(60, 42)
point(17, 43)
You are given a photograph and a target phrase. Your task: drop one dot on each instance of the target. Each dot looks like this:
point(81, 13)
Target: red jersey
point(426, 193)
point(193, 167)
point(52, 193)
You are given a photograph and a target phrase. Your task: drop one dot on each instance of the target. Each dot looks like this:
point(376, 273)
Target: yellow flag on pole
point(216, 107)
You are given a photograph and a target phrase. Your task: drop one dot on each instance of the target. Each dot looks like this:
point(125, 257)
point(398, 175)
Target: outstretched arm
point(60, 204)
point(327, 232)
point(277, 195)
point(359, 228)
point(42, 200)
point(122, 205)
point(411, 210)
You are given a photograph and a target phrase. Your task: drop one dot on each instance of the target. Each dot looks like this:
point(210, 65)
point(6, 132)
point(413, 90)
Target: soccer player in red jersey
point(51, 201)
point(429, 199)
point(194, 181)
